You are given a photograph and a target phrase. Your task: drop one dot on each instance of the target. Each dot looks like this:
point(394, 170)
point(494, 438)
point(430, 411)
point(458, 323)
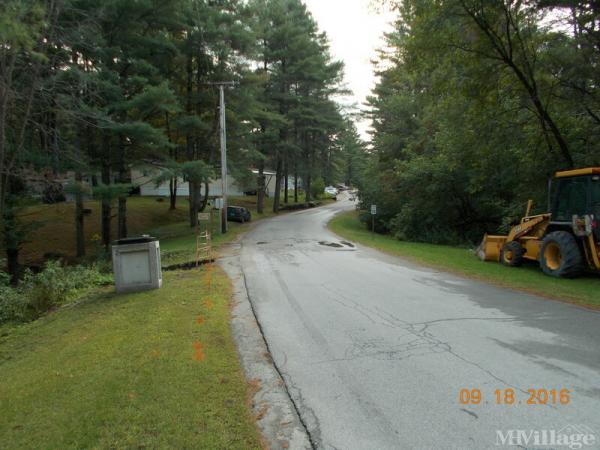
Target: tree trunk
point(276, 199)
point(189, 138)
point(12, 264)
point(122, 208)
point(11, 240)
point(195, 201)
point(286, 181)
point(106, 206)
point(173, 194)
point(172, 181)
point(106, 219)
point(260, 190)
point(295, 182)
point(79, 217)
point(205, 197)
point(307, 179)
point(122, 217)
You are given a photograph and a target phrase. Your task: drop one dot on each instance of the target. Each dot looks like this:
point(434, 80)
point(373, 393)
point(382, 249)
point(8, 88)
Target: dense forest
point(478, 103)
point(93, 87)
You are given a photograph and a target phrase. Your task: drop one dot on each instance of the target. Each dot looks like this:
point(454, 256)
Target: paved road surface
point(374, 350)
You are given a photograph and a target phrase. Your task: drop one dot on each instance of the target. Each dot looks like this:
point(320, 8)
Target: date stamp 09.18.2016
point(511, 396)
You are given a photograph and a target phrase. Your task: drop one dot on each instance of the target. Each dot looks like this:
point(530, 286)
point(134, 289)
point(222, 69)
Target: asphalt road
point(375, 350)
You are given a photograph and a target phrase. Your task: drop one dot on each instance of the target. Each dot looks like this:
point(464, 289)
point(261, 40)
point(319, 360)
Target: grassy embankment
point(54, 226)
point(155, 369)
point(54, 230)
point(583, 291)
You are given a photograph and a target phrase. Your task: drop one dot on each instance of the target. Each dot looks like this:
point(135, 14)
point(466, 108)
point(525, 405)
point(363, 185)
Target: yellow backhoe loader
point(565, 241)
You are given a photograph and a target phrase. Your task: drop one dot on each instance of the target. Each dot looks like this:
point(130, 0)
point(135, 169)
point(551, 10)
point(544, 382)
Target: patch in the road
point(347, 244)
point(330, 244)
point(261, 243)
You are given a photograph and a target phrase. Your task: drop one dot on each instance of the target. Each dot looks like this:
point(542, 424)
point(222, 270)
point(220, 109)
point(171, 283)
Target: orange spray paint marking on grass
point(200, 320)
point(208, 304)
point(199, 351)
point(208, 276)
point(156, 353)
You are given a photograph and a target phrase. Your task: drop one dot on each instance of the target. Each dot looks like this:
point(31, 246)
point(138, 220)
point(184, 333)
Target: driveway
point(375, 350)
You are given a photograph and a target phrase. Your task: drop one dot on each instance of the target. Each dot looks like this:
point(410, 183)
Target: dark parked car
point(238, 214)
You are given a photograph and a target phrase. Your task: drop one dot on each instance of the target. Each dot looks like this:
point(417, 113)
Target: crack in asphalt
point(423, 344)
point(283, 375)
point(367, 405)
point(336, 319)
point(471, 413)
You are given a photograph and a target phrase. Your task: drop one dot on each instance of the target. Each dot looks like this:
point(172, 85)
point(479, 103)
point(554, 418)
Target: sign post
point(373, 213)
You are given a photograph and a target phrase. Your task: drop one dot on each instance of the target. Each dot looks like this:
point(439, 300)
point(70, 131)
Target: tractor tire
point(512, 254)
point(560, 255)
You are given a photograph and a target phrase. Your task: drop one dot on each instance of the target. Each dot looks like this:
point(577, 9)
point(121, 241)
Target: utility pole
point(223, 139)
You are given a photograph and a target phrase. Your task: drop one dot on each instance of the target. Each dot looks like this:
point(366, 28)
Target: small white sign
point(203, 217)
point(373, 209)
point(218, 203)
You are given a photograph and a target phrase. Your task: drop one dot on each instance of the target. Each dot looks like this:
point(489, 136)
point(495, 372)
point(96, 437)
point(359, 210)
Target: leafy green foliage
point(53, 287)
point(13, 305)
point(473, 113)
point(460, 260)
point(317, 188)
point(301, 119)
point(96, 88)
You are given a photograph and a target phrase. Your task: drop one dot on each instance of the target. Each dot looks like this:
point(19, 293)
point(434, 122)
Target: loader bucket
point(489, 249)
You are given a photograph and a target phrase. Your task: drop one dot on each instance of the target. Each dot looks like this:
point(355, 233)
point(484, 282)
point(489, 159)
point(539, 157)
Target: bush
point(317, 187)
point(54, 286)
point(13, 307)
point(4, 276)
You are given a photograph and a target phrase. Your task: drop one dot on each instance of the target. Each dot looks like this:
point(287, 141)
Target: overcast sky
point(355, 30)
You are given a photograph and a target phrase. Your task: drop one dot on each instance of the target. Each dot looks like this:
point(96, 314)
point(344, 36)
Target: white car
point(331, 190)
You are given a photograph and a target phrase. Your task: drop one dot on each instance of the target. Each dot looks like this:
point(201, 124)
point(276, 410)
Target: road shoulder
point(581, 292)
point(275, 413)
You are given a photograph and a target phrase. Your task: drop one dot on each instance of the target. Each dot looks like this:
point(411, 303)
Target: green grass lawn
point(583, 291)
point(54, 225)
point(156, 369)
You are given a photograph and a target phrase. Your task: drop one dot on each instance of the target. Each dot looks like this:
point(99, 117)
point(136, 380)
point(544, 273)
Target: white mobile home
point(143, 176)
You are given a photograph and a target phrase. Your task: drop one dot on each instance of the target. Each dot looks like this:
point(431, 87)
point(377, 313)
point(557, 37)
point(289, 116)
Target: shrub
point(47, 289)
point(13, 307)
point(54, 286)
point(317, 187)
point(4, 276)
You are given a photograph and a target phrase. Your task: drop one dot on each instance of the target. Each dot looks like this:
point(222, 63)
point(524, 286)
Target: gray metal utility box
point(136, 264)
